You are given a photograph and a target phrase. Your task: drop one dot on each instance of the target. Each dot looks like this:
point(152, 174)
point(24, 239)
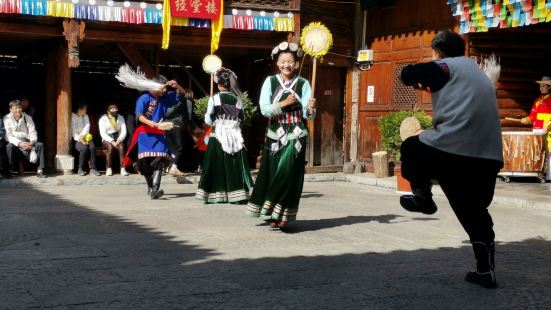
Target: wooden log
point(380, 163)
point(135, 58)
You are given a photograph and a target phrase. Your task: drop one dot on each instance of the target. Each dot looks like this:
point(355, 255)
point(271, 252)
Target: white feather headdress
point(136, 79)
point(490, 66)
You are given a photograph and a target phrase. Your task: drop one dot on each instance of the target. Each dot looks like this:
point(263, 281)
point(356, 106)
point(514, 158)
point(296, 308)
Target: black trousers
point(180, 144)
point(4, 162)
point(15, 154)
point(148, 165)
point(467, 182)
point(83, 151)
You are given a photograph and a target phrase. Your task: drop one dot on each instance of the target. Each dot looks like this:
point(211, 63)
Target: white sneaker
point(124, 172)
point(109, 171)
point(176, 173)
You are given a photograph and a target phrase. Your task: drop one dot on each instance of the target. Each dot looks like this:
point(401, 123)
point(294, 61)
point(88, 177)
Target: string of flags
point(481, 15)
point(144, 13)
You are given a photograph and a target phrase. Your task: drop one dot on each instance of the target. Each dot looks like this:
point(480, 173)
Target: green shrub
point(389, 126)
point(248, 108)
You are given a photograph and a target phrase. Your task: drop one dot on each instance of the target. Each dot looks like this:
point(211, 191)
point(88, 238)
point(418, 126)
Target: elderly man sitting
point(22, 137)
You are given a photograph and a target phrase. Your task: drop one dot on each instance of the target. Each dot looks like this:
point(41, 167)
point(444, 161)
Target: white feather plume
point(490, 66)
point(136, 79)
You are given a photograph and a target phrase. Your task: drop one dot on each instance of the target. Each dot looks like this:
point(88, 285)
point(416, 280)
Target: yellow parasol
point(211, 63)
point(316, 40)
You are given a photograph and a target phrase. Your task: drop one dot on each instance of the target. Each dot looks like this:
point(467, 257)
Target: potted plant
point(389, 126)
point(248, 108)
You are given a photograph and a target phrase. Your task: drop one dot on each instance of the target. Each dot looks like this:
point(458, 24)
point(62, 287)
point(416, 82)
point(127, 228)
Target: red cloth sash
point(127, 161)
point(201, 145)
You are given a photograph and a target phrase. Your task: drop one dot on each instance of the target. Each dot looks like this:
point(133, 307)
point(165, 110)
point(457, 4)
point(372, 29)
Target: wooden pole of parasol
point(314, 67)
point(211, 84)
point(311, 127)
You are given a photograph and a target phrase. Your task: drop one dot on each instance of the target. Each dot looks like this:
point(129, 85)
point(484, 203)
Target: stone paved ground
point(106, 247)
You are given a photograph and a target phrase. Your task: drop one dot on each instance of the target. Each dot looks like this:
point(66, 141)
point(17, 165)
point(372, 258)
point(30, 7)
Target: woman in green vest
point(286, 100)
point(226, 176)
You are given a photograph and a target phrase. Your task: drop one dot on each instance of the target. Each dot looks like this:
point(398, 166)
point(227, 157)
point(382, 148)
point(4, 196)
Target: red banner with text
point(206, 9)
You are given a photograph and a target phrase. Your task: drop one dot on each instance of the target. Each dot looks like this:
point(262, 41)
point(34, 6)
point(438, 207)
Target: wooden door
point(328, 126)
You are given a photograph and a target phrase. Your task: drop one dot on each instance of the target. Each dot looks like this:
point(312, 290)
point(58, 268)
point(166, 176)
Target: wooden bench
point(101, 151)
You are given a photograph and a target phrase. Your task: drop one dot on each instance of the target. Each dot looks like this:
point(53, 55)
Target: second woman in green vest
point(226, 175)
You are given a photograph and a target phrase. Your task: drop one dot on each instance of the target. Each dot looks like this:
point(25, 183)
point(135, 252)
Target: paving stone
point(353, 247)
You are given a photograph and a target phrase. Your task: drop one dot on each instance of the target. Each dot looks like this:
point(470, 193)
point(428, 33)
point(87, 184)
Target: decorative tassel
point(136, 80)
point(216, 31)
point(166, 21)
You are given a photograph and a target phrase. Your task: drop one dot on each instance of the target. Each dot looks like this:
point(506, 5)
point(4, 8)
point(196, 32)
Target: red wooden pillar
point(64, 161)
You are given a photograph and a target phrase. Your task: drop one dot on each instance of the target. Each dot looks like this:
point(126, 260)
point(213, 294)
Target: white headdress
point(289, 47)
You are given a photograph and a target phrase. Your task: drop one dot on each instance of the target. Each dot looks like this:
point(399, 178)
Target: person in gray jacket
point(463, 151)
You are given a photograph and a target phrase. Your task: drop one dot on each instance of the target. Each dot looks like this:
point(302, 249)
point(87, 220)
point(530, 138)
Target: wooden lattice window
point(267, 4)
point(404, 96)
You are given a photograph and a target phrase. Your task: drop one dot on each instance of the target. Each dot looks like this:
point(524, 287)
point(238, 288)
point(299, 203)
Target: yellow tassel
point(166, 24)
point(60, 9)
point(283, 24)
point(179, 21)
point(216, 28)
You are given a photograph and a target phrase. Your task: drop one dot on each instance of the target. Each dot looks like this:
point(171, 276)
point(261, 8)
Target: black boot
point(156, 192)
point(149, 181)
point(484, 274)
point(420, 201)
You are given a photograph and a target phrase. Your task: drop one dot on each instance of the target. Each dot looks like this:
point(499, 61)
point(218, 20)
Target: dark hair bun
point(224, 78)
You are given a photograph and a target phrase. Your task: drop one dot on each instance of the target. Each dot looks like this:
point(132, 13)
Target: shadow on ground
point(55, 254)
point(313, 225)
point(311, 195)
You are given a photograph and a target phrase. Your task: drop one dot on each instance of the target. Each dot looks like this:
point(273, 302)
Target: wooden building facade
point(36, 51)
point(401, 34)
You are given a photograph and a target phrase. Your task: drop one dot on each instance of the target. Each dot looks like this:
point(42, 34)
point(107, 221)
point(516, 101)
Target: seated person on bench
point(112, 129)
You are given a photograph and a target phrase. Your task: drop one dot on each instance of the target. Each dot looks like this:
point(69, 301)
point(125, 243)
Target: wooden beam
point(41, 27)
point(31, 29)
point(136, 59)
point(190, 75)
point(323, 169)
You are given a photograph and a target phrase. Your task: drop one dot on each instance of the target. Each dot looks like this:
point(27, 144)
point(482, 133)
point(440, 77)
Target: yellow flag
point(216, 28)
point(166, 24)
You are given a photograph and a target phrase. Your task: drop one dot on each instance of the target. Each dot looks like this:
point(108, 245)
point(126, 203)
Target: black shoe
point(418, 204)
point(183, 180)
point(485, 279)
point(41, 175)
point(157, 194)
